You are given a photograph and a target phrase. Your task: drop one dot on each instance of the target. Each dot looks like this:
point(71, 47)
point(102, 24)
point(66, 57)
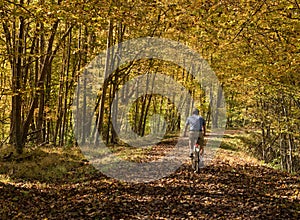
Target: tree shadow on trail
point(248, 192)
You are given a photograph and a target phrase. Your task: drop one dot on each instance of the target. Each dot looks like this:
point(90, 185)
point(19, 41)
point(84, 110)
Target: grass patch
point(44, 164)
point(238, 143)
point(227, 146)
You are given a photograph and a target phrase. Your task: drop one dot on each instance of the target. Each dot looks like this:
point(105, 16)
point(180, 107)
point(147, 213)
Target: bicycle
point(197, 159)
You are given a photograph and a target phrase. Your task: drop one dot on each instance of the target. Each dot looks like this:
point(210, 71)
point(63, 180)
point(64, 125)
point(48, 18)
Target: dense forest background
point(252, 46)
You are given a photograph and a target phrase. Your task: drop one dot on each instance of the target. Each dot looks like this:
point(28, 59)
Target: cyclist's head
point(195, 111)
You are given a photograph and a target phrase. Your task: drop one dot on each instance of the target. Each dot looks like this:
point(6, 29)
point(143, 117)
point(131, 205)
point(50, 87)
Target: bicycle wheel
point(196, 158)
point(201, 162)
point(193, 162)
point(197, 161)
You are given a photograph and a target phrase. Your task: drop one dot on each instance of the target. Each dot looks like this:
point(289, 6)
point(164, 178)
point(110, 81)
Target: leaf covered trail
point(228, 187)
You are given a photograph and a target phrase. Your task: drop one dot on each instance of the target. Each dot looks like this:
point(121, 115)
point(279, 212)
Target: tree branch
point(20, 5)
point(247, 21)
point(297, 4)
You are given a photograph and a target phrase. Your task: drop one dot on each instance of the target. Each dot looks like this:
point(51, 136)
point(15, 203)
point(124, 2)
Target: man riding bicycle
point(197, 131)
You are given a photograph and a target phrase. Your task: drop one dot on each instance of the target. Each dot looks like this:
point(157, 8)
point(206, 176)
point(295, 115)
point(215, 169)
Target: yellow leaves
point(220, 191)
point(296, 194)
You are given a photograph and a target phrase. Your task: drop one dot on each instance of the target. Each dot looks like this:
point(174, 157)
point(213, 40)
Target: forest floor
point(233, 185)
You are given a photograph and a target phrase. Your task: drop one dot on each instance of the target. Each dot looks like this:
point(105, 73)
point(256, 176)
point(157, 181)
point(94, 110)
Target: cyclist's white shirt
point(195, 122)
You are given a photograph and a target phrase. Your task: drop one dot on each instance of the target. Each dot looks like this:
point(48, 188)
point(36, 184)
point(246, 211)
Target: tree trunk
point(16, 120)
point(105, 84)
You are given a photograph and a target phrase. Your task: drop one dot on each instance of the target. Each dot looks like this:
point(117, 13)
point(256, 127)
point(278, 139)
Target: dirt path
point(229, 187)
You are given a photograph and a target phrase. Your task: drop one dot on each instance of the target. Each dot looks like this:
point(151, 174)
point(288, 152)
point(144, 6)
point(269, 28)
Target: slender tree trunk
point(105, 84)
point(16, 119)
point(65, 112)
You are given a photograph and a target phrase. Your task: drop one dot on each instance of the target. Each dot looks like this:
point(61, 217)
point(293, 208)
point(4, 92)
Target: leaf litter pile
point(229, 187)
